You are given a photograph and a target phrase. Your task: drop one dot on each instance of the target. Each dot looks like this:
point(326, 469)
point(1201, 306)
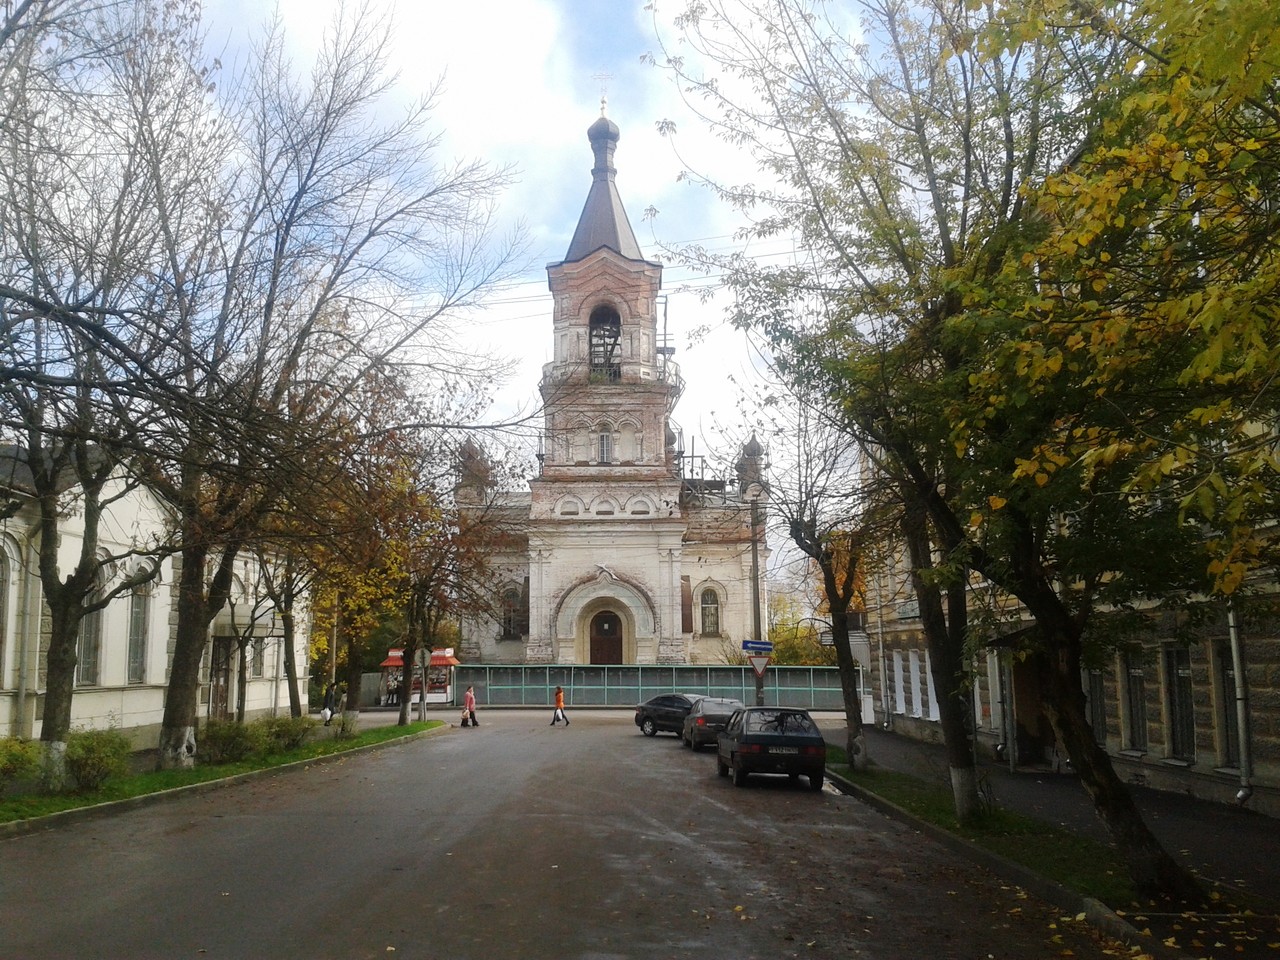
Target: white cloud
point(520, 88)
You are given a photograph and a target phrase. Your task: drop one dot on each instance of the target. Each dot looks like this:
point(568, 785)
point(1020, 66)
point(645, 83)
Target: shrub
point(281, 734)
point(18, 758)
point(225, 741)
point(94, 756)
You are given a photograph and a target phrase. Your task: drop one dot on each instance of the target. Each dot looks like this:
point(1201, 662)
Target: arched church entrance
point(606, 637)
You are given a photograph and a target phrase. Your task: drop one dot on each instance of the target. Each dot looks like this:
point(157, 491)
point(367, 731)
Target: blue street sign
point(757, 646)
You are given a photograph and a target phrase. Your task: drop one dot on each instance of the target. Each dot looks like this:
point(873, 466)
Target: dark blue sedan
point(781, 740)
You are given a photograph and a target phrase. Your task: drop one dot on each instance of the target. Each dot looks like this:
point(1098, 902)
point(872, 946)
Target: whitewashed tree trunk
point(53, 766)
point(177, 748)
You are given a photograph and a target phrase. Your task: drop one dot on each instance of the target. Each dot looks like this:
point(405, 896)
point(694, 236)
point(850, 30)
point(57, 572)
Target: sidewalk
point(1234, 846)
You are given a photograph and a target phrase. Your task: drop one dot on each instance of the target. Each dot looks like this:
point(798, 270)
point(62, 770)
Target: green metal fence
point(813, 688)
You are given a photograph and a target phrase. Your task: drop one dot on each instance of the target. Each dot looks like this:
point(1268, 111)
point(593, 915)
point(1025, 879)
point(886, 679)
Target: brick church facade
point(613, 555)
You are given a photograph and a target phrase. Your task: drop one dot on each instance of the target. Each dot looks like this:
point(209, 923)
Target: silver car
point(706, 720)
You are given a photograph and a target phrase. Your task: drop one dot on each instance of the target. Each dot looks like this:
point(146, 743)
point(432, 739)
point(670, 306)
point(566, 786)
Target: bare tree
point(75, 240)
point(338, 241)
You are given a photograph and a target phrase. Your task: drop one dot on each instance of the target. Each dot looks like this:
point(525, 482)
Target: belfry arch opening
point(605, 335)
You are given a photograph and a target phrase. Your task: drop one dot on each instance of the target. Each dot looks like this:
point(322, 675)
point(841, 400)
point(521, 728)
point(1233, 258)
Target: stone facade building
point(124, 649)
point(1166, 708)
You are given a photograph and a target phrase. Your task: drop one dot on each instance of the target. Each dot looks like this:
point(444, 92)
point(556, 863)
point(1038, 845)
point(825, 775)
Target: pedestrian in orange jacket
point(559, 714)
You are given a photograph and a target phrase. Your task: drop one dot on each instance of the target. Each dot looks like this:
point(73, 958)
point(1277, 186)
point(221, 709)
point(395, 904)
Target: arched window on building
point(139, 620)
point(710, 613)
point(510, 614)
point(604, 445)
point(605, 335)
point(515, 612)
point(4, 613)
point(89, 644)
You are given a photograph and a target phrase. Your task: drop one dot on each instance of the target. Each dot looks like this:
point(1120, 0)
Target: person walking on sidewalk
point(469, 705)
point(559, 714)
point(330, 701)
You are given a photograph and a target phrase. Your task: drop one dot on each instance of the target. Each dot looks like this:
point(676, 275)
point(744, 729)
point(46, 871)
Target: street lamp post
point(753, 494)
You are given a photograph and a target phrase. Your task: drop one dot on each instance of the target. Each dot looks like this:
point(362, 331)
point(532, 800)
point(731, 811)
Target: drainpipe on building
point(1242, 706)
point(1010, 721)
point(30, 564)
point(275, 692)
point(884, 677)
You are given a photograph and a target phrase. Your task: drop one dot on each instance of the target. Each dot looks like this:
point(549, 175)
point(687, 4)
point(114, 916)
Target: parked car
point(665, 712)
point(706, 720)
point(772, 740)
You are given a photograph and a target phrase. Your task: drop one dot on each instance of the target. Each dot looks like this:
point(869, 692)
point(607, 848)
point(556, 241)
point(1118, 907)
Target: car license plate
point(784, 749)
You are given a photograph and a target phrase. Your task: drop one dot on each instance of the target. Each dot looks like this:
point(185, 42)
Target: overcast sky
point(522, 84)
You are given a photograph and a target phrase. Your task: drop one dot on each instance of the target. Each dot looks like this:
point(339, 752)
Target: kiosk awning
point(439, 658)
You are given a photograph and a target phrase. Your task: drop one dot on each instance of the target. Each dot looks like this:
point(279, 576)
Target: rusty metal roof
point(603, 222)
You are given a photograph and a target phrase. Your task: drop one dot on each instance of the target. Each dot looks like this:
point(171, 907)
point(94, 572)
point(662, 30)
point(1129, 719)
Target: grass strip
point(31, 805)
point(1086, 866)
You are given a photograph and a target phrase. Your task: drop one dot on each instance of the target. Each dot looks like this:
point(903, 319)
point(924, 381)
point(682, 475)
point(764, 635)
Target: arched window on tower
point(604, 446)
point(606, 337)
point(710, 613)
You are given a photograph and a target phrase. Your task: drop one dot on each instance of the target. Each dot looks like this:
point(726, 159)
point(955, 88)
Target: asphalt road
point(514, 840)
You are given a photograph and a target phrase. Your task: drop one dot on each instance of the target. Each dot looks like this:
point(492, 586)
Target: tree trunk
point(1154, 872)
point(181, 705)
point(945, 634)
point(60, 681)
point(856, 742)
point(350, 721)
point(242, 682)
point(290, 660)
point(411, 646)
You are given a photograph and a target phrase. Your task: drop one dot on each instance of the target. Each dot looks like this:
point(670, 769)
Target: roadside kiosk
point(439, 677)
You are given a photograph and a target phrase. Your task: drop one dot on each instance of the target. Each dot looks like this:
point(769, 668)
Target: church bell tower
point(608, 494)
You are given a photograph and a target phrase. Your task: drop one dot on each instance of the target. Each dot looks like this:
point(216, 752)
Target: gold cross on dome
point(603, 79)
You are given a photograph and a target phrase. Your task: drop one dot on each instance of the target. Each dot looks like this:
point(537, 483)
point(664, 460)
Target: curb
point(1096, 913)
point(63, 818)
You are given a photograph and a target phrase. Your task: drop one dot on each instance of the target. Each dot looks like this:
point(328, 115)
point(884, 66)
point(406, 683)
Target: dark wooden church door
point(606, 638)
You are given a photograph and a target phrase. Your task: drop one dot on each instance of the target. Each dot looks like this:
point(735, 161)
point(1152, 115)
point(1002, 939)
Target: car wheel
point(685, 741)
point(648, 727)
point(722, 768)
point(815, 781)
point(739, 774)
point(694, 745)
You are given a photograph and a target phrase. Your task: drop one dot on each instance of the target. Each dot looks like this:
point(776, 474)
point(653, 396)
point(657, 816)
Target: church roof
point(603, 222)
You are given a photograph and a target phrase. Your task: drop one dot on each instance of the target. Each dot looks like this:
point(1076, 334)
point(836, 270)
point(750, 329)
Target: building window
point(139, 616)
point(1230, 719)
point(4, 612)
point(1182, 717)
point(257, 657)
point(899, 687)
point(710, 613)
point(913, 666)
point(1097, 695)
point(604, 447)
point(606, 336)
point(511, 610)
point(1135, 704)
point(930, 694)
point(89, 647)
